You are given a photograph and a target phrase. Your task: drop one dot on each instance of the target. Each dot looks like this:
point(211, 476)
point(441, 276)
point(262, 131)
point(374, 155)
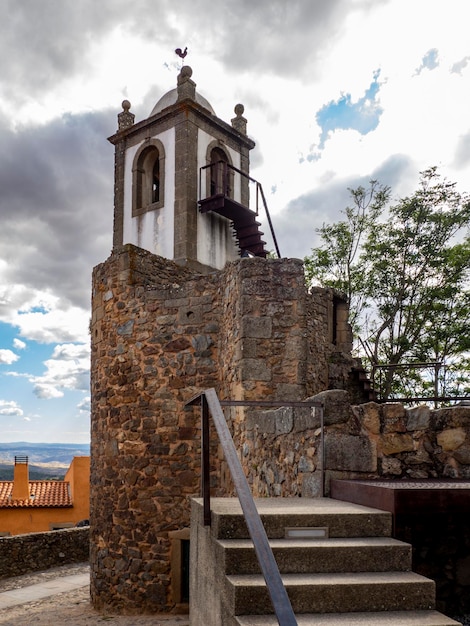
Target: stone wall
point(281, 450)
point(282, 456)
point(399, 442)
point(370, 440)
point(154, 331)
point(22, 554)
point(160, 333)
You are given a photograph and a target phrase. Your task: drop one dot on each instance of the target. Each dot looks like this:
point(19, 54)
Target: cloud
point(71, 352)
point(462, 152)
point(67, 369)
point(10, 408)
point(56, 36)
point(46, 391)
point(85, 405)
point(57, 208)
point(7, 357)
point(62, 38)
point(459, 66)
point(260, 35)
point(18, 344)
point(52, 321)
point(296, 225)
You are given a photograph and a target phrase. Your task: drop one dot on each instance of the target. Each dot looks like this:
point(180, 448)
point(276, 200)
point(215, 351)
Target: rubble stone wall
point(282, 456)
point(154, 343)
point(282, 450)
point(33, 552)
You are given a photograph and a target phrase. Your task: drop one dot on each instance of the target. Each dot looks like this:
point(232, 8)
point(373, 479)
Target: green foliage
point(405, 271)
point(337, 262)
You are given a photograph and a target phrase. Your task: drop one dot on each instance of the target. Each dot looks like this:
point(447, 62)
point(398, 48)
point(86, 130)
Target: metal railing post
point(322, 448)
point(279, 598)
point(205, 464)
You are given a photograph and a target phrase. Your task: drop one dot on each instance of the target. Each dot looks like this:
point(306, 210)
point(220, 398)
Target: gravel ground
point(72, 608)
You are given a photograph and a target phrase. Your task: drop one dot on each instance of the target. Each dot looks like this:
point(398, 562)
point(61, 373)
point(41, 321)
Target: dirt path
point(72, 608)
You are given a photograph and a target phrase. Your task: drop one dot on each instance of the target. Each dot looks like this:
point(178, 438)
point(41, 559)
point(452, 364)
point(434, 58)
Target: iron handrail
point(277, 592)
point(377, 382)
point(259, 192)
point(407, 400)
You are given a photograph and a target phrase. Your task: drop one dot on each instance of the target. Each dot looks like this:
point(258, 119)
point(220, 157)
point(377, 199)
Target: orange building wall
point(78, 475)
point(17, 521)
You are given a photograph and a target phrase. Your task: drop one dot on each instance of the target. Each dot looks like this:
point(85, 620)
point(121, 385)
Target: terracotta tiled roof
point(47, 493)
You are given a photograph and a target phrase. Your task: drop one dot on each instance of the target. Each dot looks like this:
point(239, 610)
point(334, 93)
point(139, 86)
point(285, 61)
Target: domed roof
point(171, 97)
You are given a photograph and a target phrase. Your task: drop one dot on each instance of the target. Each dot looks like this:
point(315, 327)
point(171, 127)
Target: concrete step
point(325, 593)
point(342, 519)
point(374, 554)
point(389, 618)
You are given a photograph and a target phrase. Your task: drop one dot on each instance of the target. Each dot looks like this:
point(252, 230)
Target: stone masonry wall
point(154, 343)
point(282, 456)
point(160, 333)
point(22, 554)
point(370, 440)
point(279, 341)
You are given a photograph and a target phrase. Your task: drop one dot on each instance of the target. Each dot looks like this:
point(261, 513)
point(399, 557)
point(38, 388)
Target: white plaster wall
point(215, 242)
point(154, 230)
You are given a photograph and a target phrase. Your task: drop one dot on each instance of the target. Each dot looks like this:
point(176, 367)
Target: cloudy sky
point(336, 92)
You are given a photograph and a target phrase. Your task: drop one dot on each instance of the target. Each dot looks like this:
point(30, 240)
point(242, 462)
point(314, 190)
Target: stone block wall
point(265, 330)
point(23, 554)
point(282, 456)
point(282, 452)
point(281, 449)
point(160, 333)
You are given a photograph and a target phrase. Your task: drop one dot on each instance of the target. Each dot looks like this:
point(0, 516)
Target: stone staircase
point(357, 574)
point(361, 381)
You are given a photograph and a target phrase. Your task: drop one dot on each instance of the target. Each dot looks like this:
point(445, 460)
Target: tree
point(405, 271)
point(337, 263)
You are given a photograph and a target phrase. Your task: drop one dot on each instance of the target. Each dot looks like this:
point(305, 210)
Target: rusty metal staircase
point(244, 220)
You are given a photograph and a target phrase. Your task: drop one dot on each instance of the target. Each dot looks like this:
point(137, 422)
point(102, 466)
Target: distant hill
point(47, 461)
point(35, 472)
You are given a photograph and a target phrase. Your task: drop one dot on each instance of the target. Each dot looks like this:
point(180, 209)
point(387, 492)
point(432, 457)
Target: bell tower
point(182, 181)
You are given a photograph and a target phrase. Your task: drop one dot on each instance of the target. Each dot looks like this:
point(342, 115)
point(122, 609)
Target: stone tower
point(169, 162)
point(186, 301)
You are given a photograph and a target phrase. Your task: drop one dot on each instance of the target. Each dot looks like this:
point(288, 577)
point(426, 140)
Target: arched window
point(148, 178)
point(156, 181)
point(220, 176)
point(219, 172)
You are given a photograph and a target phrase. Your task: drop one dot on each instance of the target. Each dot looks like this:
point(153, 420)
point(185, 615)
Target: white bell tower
point(182, 181)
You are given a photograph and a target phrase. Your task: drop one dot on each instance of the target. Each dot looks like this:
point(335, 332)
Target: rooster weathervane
point(181, 53)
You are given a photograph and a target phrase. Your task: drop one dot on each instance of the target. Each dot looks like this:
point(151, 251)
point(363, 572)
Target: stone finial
point(125, 118)
point(186, 86)
point(239, 122)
